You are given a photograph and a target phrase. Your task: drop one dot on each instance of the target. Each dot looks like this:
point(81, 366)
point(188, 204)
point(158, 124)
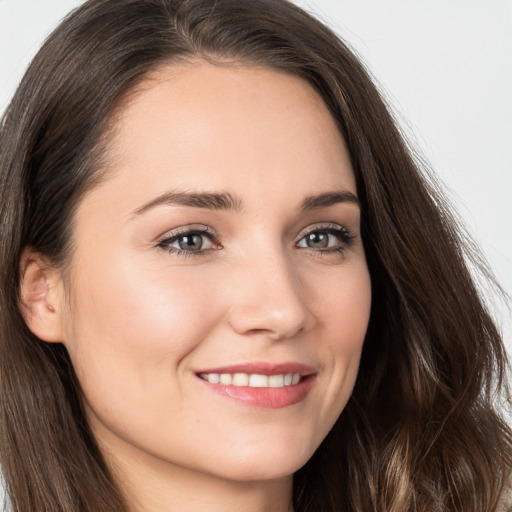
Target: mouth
point(268, 386)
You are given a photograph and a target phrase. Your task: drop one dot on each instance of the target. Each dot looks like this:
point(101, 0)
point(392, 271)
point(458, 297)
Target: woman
point(219, 288)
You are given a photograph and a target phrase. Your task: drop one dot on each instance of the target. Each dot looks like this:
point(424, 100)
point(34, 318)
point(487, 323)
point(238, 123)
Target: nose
point(268, 298)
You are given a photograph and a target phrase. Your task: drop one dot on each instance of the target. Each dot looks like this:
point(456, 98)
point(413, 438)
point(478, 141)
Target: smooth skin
point(158, 290)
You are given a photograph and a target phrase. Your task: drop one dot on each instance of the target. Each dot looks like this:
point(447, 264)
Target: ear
point(41, 297)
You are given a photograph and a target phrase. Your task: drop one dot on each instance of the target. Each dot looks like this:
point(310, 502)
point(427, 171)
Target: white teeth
point(240, 379)
point(258, 381)
point(276, 381)
point(213, 378)
point(226, 378)
point(253, 380)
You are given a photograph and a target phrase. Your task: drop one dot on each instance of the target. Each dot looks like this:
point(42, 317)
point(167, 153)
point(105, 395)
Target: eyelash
point(345, 236)
point(175, 236)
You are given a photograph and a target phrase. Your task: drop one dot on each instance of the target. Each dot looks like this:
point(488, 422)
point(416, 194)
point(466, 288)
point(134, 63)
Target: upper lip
point(263, 368)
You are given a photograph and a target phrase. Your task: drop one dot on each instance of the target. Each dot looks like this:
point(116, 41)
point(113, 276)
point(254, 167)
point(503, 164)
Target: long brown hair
point(421, 432)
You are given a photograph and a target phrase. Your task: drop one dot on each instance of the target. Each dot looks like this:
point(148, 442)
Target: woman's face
point(218, 292)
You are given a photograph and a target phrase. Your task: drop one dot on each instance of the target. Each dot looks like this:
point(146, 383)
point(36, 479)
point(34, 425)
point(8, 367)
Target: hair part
point(420, 432)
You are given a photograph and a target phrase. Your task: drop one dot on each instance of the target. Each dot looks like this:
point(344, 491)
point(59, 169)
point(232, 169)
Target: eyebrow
point(208, 200)
point(226, 201)
point(329, 199)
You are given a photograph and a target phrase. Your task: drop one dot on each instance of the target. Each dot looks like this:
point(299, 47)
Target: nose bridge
point(268, 295)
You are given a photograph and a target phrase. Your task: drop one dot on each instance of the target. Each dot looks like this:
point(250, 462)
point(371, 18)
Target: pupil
point(318, 240)
point(191, 242)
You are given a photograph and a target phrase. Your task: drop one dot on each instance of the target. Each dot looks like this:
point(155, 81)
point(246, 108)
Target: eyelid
point(183, 230)
point(328, 226)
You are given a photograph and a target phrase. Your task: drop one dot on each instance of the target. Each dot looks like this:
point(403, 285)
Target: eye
point(332, 238)
point(189, 241)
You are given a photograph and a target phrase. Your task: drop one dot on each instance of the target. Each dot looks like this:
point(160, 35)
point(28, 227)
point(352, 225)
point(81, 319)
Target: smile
point(261, 385)
point(252, 380)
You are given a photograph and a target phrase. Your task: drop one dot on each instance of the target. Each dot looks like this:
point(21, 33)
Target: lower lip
point(267, 398)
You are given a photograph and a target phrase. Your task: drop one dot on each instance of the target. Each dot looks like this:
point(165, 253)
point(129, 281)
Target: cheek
point(144, 302)
point(344, 308)
point(133, 332)
point(129, 319)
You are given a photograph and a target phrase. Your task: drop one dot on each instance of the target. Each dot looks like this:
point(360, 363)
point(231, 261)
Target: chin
point(256, 463)
point(257, 472)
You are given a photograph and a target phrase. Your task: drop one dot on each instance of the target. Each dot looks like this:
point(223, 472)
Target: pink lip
point(267, 398)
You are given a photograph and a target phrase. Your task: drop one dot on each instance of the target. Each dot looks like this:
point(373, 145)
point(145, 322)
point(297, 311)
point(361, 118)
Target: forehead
point(203, 126)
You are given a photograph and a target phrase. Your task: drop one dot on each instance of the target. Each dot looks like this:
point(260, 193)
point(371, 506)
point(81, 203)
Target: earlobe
point(41, 297)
